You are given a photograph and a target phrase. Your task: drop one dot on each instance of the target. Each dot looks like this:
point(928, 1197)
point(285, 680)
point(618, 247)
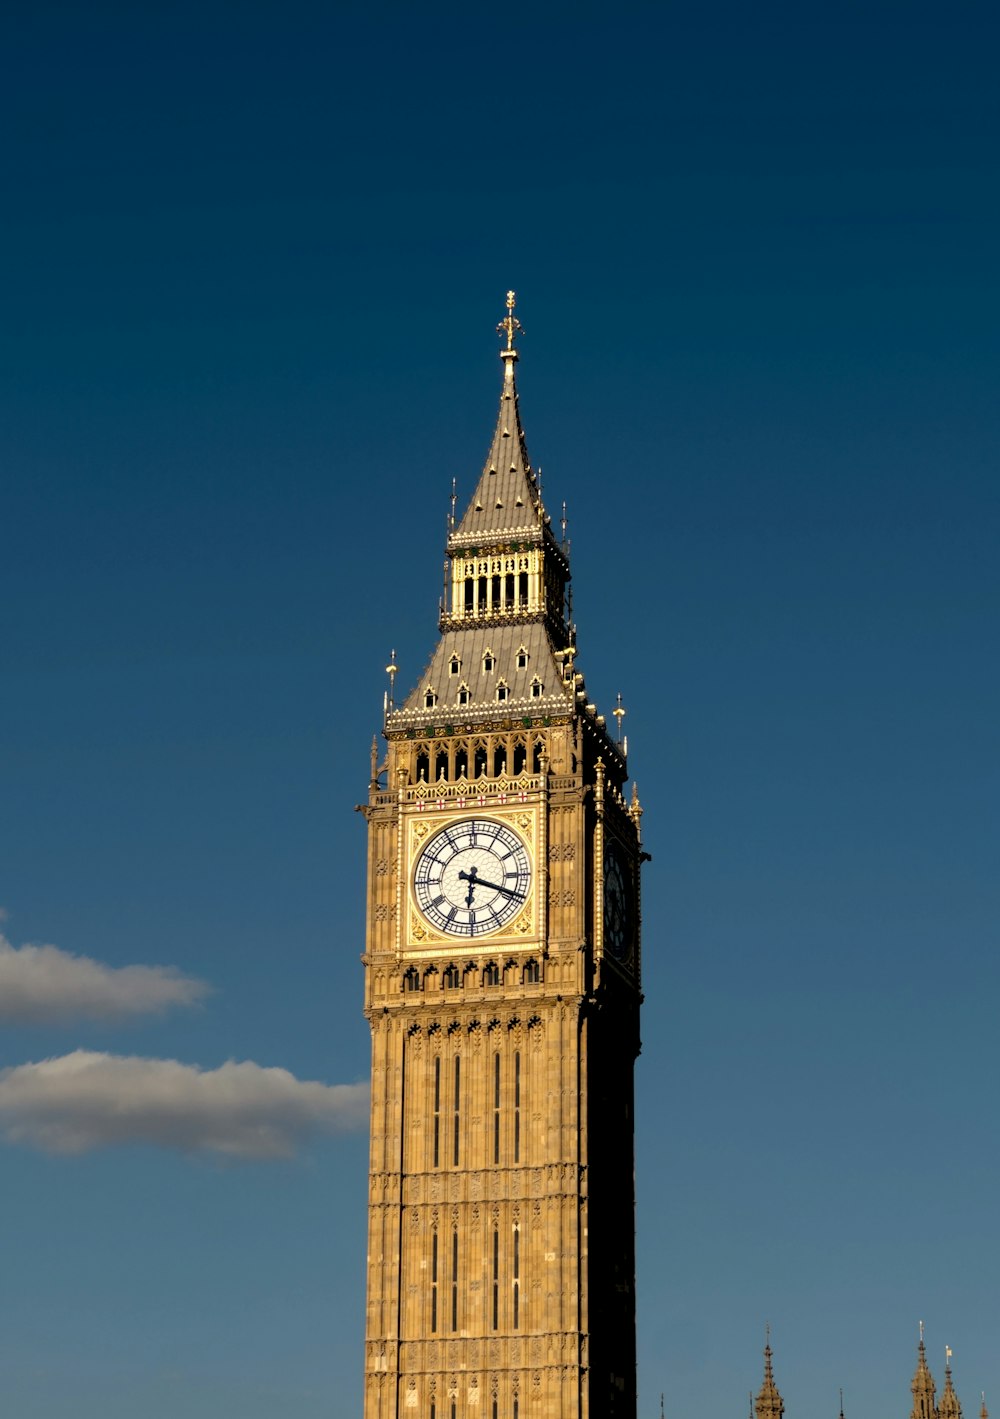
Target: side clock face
point(617, 901)
point(472, 877)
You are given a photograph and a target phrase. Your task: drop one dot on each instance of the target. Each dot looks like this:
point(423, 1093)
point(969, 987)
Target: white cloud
point(44, 985)
point(88, 1100)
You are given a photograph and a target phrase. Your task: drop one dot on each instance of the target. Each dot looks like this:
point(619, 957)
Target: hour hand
point(496, 886)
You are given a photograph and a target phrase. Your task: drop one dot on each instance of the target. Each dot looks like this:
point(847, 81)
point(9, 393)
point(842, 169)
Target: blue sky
point(253, 260)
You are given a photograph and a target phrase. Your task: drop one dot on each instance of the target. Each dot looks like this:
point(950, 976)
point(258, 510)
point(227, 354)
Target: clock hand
point(471, 878)
point(507, 891)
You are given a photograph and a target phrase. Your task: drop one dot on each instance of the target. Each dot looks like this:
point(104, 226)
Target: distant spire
point(769, 1403)
point(841, 1404)
point(984, 1413)
point(922, 1385)
point(949, 1408)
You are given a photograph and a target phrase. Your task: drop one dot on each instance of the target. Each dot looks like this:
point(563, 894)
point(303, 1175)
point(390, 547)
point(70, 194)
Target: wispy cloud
point(88, 1100)
point(44, 985)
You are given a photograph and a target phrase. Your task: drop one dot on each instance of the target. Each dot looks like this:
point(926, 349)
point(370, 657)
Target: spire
point(949, 1408)
point(769, 1403)
point(507, 500)
point(922, 1385)
point(984, 1413)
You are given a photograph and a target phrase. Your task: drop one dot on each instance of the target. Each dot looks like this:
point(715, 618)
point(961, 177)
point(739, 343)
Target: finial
point(661, 1406)
point(984, 1413)
point(619, 713)
point(563, 524)
point(509, 326)
point(947, 1357)
point(921, 1334)
point(454, 499)
point(374, 777)
point(391, 670)
point(842, 1403)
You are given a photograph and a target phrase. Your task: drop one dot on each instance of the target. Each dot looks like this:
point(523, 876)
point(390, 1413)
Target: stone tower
point(502, 986)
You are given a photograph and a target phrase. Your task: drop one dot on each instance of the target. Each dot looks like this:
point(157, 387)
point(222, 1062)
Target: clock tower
point(502, 986)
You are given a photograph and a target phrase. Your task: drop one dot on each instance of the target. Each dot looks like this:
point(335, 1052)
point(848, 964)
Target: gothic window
point(496, 1152)
point(491, 975)
point(411, 980)
point(517, 1107)
point(479, 761)
point(441, 764)
point(536, 757)
point(496, 1290)
point(452, 980)
point(437, 1130)
point(509, 592)
point(499, 761)
point(536, 688)
point(520, 757)
point(455, 665)
point(532, 973)
point(454, 1286)
point(489, 660)
point(434, 1287)
point(461, 763)
point(456, 1121)
point(522, 589)
point(517, 1279)
point(470, 595)
point(430, 698)
point(502, 692)
point(423, 767)
point(463, 695)
point(522, 658)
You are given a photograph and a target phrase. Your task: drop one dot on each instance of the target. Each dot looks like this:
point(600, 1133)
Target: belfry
point(502, 987)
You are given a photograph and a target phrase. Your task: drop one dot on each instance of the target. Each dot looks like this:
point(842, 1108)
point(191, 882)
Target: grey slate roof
point(470, 644)
point(506, 500)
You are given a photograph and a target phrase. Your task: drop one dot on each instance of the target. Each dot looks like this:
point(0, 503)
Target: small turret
point(769, 1403)
point(922, 1385)
point(949, 1408)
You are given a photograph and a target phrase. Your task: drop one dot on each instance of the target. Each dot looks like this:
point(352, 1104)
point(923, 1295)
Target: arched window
point(489, 661)
point(536, 689)
point(441, 764)
point(520, 758)
point(452, 978)
point(461, 763)
point(463, 695)
point(522, 658)
point(479, 763)
point(491, 974)
point(430, 698)
point(502, 692)
point(532, 973)
point(454, 665)
point(423, 766)
point(411, 980)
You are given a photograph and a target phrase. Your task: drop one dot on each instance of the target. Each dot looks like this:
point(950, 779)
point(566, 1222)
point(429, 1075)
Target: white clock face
point(472, 877)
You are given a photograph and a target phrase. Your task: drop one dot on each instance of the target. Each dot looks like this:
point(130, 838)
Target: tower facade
point(502, 986)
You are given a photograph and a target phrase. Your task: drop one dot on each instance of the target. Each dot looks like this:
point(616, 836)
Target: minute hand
point(482, 882)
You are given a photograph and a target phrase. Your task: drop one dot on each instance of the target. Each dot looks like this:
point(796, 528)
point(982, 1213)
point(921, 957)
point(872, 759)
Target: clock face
point(617, 924)
point(472, 877)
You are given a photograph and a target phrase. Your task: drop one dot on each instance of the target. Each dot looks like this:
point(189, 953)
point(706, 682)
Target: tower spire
point(769, 1403)
point(922, 1385)
point(949, 1408)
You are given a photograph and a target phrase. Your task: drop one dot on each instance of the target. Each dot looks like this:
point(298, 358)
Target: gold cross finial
point(510, 323)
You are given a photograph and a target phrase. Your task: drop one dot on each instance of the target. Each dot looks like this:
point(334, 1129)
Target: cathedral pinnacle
point(922, 1385)
point(769, 1403)
point(949, 1407)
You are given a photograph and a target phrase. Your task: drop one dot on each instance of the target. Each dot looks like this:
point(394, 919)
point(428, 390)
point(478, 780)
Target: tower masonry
point(502, 986)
